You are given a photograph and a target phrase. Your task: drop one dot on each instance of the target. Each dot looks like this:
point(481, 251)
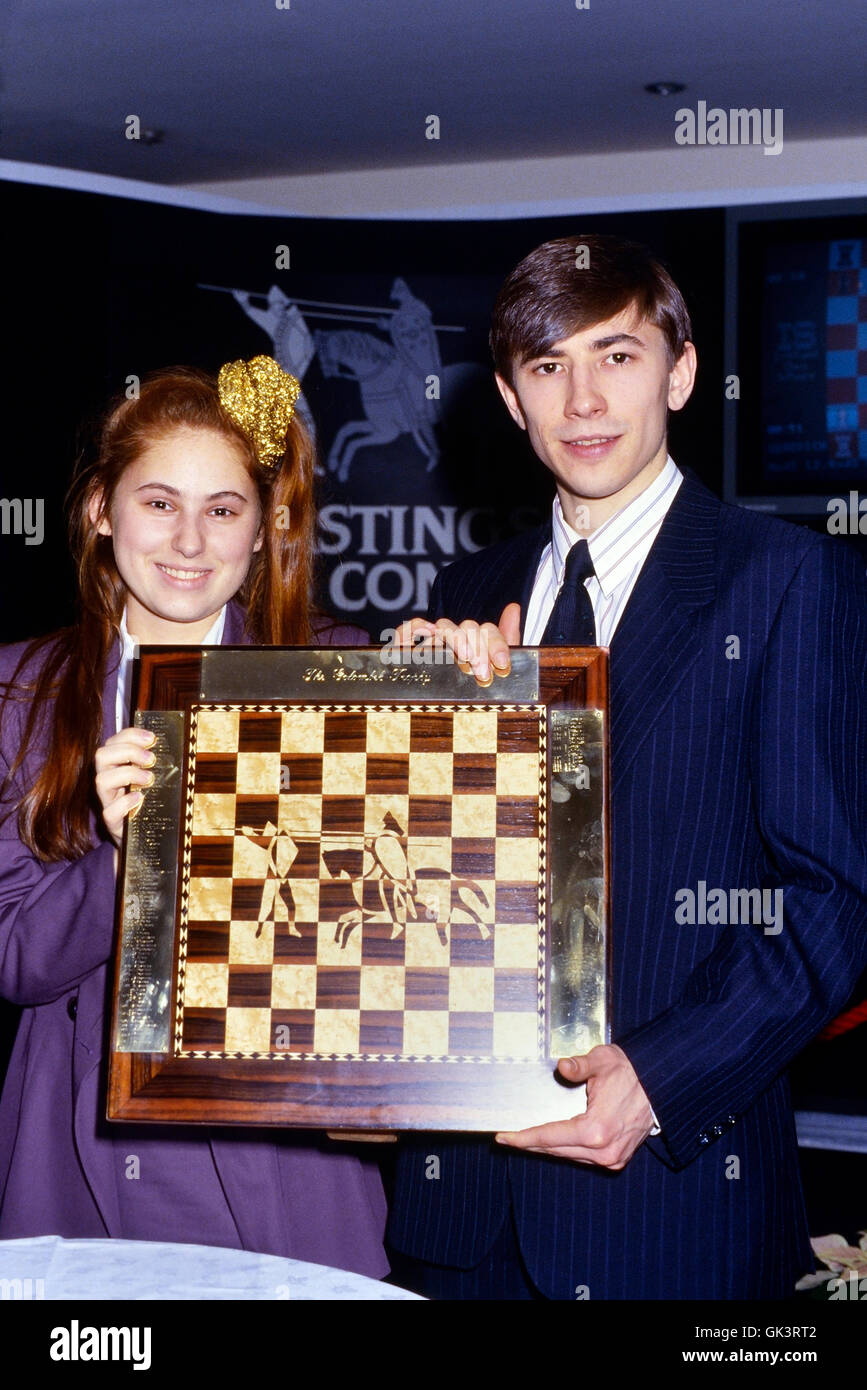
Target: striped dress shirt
point(618, 549)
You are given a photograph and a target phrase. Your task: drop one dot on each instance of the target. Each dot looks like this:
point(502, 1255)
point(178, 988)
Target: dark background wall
point(99, 288)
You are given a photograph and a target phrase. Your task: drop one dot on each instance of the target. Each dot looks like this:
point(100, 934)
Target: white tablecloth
point(50, 1267)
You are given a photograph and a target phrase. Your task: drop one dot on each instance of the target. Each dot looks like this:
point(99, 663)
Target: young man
point(738, 648)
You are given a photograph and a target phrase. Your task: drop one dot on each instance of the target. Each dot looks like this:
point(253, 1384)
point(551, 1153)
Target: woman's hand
point(480, 648)
point(121, 768)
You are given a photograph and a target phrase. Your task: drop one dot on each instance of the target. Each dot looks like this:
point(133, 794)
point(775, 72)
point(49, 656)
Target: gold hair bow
point(260, 397)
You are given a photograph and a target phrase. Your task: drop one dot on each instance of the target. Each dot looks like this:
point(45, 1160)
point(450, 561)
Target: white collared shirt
point(129, 651)
point(618, 549)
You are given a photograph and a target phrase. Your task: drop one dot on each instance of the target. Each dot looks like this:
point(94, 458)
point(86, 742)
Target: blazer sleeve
point(56, 920)
point(435, 606)
point(329, 632)
point(751, 1005)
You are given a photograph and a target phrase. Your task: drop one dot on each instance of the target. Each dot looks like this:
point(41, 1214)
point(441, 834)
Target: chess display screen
point(802, 358)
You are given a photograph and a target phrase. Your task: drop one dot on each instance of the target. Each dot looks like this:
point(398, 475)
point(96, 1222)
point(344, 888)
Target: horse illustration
point(383, 862)
point(392, 397)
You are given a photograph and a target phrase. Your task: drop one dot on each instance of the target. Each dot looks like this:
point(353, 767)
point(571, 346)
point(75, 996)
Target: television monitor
point(795, 419)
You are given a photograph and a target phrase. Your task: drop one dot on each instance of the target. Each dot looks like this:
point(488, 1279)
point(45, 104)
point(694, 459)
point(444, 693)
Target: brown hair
point(555, 292)
point(65, 694)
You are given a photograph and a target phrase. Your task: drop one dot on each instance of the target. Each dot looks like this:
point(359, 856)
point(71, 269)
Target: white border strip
point(84, 181)
point(819, 1130)
point(638, 202)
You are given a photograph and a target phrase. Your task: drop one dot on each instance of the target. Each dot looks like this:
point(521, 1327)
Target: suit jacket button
point(72, 1006)
point(704, 1138)
point(718, 1130)
point(732, 1119)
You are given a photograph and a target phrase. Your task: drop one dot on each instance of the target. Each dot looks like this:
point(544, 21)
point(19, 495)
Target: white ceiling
point(243, 89)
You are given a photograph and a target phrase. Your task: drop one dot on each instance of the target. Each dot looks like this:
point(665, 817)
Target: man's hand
point(480, 648)
point(617, 1120)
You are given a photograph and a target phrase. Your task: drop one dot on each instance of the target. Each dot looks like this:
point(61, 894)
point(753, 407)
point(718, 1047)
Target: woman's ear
point(98, 519)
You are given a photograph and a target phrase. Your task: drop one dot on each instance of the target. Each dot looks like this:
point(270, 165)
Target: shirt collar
point(604, 543)
point(213, 637)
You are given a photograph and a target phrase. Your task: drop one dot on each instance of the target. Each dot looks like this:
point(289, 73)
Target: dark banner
point(384, 323)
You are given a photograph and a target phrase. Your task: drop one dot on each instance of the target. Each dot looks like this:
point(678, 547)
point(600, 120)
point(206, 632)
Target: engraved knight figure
point(400, 895)
point(292, 341)
point(277, 860)
point(415, 340)
point(392, 378)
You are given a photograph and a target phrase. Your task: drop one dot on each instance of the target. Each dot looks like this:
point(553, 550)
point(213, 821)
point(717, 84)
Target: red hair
point(54, 815)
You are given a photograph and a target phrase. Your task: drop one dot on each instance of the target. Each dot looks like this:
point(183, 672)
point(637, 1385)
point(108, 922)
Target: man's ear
point(94, 507)
point(513, 405)
point(681, 378)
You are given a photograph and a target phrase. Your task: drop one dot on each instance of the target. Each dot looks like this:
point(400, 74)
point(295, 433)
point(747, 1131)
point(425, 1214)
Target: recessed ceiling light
point(665, 89)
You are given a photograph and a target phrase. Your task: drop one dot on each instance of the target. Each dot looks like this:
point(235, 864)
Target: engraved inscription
point(284, 673)
point(149, 893)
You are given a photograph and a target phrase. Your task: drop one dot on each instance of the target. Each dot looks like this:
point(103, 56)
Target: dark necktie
point(571, 623)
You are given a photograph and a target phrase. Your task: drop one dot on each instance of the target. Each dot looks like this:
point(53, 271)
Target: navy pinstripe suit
point(748, 772)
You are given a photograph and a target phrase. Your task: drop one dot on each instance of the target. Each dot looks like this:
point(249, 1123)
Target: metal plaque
point(578, 925)
point(143, 1021)
point(353, 673)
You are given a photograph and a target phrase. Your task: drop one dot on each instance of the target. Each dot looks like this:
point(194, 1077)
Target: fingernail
point(151, 760)
point(136, 807)
point(150, 780)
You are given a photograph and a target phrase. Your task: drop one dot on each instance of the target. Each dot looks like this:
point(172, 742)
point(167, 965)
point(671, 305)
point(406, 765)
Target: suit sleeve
point(762, 995)
point(56, 920)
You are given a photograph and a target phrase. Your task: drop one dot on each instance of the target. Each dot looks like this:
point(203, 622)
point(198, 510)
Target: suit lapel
point(658, 639)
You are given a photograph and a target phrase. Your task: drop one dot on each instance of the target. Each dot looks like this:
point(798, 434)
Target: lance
point(312, 308)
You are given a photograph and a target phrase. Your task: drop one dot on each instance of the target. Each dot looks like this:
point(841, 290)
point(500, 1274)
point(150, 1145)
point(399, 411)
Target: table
point(50, 1267)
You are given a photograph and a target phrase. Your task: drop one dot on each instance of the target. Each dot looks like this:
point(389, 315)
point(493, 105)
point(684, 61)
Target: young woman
point(193, 524)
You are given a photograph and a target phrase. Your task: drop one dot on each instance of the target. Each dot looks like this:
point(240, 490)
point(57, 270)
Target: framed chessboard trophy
point(363, 892)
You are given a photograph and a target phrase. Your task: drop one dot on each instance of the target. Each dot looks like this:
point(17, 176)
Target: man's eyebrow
point(212, 497)
point(601, 343)
point(598, 345)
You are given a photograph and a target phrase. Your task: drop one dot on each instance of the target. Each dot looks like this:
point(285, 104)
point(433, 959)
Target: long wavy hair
point(65, 693)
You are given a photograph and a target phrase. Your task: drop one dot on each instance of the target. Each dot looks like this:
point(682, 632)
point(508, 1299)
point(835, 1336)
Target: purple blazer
point(64, 1170)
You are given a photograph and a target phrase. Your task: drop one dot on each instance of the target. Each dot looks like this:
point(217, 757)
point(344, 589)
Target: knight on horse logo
point(402, 382)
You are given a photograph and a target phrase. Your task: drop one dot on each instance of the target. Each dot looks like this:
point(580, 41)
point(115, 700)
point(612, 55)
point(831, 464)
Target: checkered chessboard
point(365, 882)
point(846, 353)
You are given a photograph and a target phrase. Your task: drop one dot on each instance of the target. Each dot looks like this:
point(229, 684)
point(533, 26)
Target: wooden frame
point(428, 947)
